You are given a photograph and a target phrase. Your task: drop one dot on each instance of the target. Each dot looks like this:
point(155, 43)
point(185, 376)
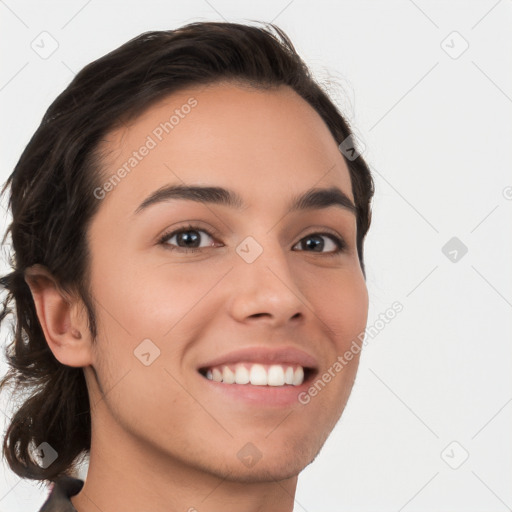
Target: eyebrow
point(314, 198)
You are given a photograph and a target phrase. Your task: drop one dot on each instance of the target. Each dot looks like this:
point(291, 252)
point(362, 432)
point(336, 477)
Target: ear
point(62, 317)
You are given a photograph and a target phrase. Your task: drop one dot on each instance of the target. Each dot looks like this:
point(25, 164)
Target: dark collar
point(58, 499)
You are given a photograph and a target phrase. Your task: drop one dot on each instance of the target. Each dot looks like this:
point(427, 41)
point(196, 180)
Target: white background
point(438, 134)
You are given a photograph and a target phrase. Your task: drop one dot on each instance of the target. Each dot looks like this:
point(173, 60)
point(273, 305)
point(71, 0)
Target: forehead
point(266, 144)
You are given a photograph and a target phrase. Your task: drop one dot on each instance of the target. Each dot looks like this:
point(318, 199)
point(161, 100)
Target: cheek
point(148, 300)
point(342, 308)
point(342, 303)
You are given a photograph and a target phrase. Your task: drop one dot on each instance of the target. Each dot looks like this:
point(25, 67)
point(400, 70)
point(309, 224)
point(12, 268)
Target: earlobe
point(65, 330)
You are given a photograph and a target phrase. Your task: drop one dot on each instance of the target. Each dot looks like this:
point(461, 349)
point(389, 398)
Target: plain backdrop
point(427, 86)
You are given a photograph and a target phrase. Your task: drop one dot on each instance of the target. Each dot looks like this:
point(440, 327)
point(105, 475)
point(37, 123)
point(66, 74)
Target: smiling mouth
point(256, 374)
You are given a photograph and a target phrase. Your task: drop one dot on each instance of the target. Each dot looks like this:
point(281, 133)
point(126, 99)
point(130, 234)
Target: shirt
point(61, 491)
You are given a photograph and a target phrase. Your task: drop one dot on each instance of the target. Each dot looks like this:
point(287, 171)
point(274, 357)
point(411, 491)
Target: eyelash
point(340, 243)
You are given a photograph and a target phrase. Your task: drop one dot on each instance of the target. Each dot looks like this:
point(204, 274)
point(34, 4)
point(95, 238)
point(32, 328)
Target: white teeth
point(217, 375)
point(298, 376)
point(288, 376)
point(227, 375)
point(276, 375)
point(241, 374)
point(257, 374)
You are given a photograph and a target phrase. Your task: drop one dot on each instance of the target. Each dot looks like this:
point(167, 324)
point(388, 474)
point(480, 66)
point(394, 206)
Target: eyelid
point(321, 229)
point(191, 225)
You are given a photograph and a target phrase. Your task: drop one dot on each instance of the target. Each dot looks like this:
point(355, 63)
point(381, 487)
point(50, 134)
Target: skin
point(161, 439)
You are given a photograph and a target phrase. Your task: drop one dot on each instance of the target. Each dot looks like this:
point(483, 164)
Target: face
point(190, 292)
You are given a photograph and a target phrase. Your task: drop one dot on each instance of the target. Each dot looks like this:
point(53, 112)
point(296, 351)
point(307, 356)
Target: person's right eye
point(187, 235)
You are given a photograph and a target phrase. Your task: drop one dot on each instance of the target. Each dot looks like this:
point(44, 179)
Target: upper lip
point(265, 355)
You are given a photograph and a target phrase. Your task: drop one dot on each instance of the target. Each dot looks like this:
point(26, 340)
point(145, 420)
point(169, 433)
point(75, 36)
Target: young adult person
point(187, 228)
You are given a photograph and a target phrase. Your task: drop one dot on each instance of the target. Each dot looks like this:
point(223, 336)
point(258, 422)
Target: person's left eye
point(337, 242)
point(190, 236)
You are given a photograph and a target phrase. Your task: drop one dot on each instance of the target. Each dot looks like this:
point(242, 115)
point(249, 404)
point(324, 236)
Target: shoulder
point(60, 492)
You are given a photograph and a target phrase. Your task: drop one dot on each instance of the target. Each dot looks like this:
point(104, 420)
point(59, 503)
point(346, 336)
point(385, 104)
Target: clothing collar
point(59, 498)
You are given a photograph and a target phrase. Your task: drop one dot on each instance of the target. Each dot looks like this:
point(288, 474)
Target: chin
point(274, 465)
point(263, 475)
point(270, 471)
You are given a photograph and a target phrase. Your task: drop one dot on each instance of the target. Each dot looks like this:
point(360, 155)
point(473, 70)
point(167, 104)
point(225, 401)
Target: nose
point(266, 290)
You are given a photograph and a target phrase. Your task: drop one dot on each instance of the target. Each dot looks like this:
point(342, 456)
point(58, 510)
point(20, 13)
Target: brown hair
point(52, 203)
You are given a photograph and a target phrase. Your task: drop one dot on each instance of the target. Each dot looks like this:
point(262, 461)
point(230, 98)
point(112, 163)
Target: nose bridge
point(264, 280)
point(260, 251)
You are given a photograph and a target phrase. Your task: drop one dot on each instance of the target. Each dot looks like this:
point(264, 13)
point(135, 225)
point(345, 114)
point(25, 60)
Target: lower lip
point(259, 395)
